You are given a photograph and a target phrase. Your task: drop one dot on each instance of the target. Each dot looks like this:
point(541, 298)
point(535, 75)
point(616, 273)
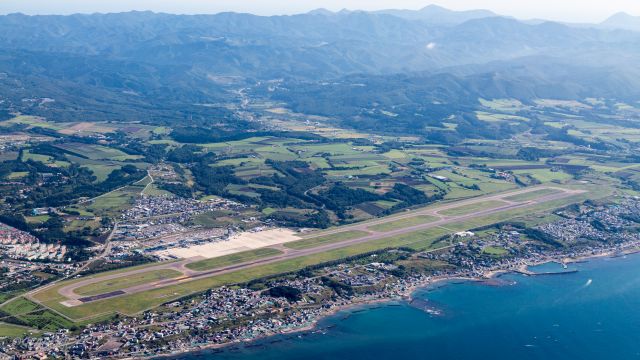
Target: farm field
point(355, 165)
point(84, 128)
point(97, 152)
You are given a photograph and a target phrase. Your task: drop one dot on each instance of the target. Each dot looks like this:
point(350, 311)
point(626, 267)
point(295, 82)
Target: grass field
point(20, 306)
point(98, 152)
point(468, 209)
point(326, 239)
point(4, 296)
point(494, 250)
point(544, 175)
point(231, 259)
point(9, 330)
point(33, 121)
point(128, 281)
point(28, 155)
point(38, 219)
point(113, 203)
point(402, 223)
point(532, 195)
point(17, 175)
point(46, 320)
point(32, 314)
point(153, 190)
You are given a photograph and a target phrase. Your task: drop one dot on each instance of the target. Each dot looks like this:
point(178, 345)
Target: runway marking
point(68, 291)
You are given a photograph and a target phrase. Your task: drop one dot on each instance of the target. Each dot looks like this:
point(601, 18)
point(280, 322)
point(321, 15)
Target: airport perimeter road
point(434, 211)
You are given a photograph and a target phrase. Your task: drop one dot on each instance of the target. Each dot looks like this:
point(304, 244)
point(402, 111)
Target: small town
point(160, 222)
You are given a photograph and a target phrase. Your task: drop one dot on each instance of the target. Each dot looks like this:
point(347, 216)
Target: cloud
point(431, 46)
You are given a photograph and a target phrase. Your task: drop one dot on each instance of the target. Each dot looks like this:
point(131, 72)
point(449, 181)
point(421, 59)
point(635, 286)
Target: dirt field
point(86, 127)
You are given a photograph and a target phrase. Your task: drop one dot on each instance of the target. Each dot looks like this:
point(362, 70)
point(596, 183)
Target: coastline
point(408, 296)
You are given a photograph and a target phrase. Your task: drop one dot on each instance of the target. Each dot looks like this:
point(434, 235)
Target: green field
point(232, 259)
point(32, 121)
point(38, 219)
point(9, 330)
point(532, 195)
point(220, 218)
point(128, 281)
point(32, 314)
point(17, 175)
point(98, 152)
point(113, 203)
point(153, 190)
point(494, 250)
point(325, 239)
point(545, 175)
point(46, 320)
point(20, 306)
point(402, 223)
point(28, 155)
point(468, 209)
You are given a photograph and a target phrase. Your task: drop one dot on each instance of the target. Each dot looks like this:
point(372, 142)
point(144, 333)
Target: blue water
point(552, 267)
point(591, 314)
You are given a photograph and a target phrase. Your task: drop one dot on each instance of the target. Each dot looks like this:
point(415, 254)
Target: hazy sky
point(563, 10)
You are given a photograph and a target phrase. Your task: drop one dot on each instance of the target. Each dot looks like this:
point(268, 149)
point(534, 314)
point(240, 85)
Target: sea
point(591, 311)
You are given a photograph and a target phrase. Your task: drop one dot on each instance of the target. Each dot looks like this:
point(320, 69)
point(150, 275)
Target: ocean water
point(590, 314)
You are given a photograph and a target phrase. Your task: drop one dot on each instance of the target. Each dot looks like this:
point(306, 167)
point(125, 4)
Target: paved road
point(188, 275)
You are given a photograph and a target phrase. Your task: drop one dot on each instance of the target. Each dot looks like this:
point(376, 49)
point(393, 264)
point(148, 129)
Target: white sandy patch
point(71, 303)
point(237, 243)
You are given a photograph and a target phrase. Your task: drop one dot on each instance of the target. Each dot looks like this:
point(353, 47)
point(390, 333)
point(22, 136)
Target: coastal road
point(440, 220)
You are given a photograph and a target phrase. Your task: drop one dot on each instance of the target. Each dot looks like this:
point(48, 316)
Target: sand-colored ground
point(85, 127)
point(237, 243)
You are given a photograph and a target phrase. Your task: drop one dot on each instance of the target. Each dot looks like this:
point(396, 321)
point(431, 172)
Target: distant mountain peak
point(433, 7)
point(438, 15)
point(622, 20)
point(321, 11)
point(621, 15)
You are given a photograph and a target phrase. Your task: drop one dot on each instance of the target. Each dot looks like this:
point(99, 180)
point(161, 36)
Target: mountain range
point(164, 65)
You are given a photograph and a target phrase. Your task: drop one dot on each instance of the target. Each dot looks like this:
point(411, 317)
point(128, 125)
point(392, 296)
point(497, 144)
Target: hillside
point(162, 67)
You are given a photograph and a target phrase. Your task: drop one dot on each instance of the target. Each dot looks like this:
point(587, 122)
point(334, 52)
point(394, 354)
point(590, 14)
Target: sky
point(558, 10)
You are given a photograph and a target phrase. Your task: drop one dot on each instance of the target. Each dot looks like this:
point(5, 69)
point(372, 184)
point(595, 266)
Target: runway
point(75, 299)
